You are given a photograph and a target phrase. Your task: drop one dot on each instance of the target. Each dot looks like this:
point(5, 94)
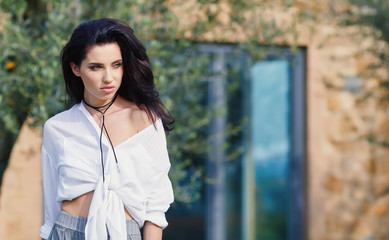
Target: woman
point(104, 161)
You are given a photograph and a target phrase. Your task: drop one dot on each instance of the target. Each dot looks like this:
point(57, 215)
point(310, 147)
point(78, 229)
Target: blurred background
point(281, 111)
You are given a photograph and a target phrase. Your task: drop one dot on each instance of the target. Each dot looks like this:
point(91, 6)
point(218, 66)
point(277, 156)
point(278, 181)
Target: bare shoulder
point(138, 117)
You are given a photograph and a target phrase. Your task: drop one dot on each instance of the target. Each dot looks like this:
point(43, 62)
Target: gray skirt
point(71, 227)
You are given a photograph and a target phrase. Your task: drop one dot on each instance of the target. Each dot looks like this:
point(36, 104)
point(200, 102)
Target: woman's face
point(101, 72)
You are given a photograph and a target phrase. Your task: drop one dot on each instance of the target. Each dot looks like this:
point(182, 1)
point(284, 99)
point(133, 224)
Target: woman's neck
point(100, 107)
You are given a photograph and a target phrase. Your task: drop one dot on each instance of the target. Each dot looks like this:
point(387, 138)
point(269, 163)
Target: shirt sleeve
point(159, 199)
point(160, 196)
point(51, 207)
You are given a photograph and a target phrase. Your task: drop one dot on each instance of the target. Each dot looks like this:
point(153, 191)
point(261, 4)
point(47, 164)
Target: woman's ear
point(75, 69)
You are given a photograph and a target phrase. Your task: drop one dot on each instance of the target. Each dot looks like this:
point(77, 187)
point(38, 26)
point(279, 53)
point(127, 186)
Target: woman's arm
point(151, 231)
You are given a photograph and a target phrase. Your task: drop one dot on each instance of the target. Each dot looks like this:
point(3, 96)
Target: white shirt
point(71, 166)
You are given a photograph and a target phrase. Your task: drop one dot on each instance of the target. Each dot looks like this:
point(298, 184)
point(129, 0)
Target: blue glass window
point(270, 144)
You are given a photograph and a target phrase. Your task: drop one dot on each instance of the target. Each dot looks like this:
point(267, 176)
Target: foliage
point(372, 13)
point(29, 73)
point(32, 86)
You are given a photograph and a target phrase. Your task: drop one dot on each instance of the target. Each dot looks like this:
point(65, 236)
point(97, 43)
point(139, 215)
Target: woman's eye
point(93, 67)
point(117, 65)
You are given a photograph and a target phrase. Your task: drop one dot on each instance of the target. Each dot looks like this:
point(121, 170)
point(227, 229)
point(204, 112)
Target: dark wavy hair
point(138, 80)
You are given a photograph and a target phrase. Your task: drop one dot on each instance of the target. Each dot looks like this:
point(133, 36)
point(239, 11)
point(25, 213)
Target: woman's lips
point(108, 89)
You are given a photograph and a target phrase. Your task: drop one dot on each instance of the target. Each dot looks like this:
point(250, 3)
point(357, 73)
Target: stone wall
point(347, 175)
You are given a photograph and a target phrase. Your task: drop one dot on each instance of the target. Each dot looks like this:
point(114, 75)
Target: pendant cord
point(103, 109)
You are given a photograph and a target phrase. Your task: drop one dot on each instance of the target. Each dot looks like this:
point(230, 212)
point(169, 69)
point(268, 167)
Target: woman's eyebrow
point(95, 63)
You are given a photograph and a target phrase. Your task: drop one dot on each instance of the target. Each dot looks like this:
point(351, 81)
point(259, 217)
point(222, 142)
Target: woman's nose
point(108, 77)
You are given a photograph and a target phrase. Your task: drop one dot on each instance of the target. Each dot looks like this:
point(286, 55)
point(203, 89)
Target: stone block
point(373, 223)
point(382, 210)
point(380, 185)
point(347, 126)
point(333, 184)
point(340, 101)
point(362, 230)
point(371, 84)
point(369, 166)
point(382, 167)
point(363, 61)
point(383, 124)
point(333, 225)
point(333, 80)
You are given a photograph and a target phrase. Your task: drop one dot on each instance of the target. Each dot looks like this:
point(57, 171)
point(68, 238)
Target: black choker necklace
point(103, 109)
